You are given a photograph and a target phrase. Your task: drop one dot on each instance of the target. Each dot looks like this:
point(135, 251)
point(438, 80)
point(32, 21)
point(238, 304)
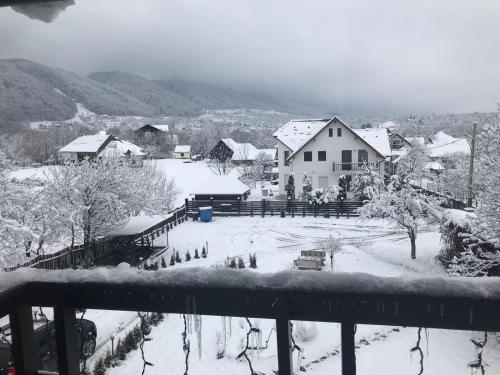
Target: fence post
point(23, 340)
point(283, 334)
point(263, 207)
point(348, 354)
point(315, 210)
point(66, 339)
point(186, 204)
point(239, 203)
point(289, 205)
point(303, 209)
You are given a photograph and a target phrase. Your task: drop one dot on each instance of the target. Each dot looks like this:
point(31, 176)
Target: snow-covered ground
point(372, 247)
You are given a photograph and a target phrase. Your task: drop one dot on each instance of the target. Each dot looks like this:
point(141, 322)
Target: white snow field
point(372, 247)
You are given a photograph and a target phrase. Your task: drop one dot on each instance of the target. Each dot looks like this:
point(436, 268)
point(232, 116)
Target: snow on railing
point(347, 298)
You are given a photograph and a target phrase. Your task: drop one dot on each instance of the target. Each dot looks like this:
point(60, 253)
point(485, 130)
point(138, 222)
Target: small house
point(160, 134)
point(240, 153)
point(182, 152)
point(224, 187)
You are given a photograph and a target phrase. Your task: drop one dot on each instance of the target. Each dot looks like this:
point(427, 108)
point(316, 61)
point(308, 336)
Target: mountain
point(33, 92)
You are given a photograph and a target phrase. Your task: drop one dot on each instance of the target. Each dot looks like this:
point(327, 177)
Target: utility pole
point(471, 164)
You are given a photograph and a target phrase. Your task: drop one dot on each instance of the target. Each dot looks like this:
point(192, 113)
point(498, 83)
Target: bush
point(120, 351)
point(163, 263)
point(172, 260)
point(196, 255)
point(232, 263)
point(108, 359)
point(177, 257)
point(203, 252)
point(188, 256)
point(241, 263)
point(253, 260)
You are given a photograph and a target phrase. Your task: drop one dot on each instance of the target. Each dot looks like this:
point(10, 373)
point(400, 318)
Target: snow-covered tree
point(323, 196)
point(367, 184)
point(261, 165)
point(220, 166)
point(307, 188)
point(290, 187)
point(412, 165)
point(92, 198)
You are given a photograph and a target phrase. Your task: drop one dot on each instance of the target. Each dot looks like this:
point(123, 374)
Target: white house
point(326, 149)
point(182, 152)
point(100, 145)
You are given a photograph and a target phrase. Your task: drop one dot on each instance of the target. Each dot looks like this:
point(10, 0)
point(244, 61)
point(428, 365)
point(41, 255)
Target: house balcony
point(345, 298)
point(339, 167)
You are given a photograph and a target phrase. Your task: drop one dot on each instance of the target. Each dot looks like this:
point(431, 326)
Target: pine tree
point(232, 263)
point(241, 263)
point(253, 260)
point(342, 188)
point(306, 188)
point(99, 368)
point(163, 263)
point(290, 187)
point(188, 256)
point(172, 260)
point(203, 252)
point(177, 257)
point(196, 255)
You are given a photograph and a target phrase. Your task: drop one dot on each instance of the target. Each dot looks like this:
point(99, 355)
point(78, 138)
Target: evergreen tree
point(177, 257)
point(241, 263)
point(196, 255)
point(367, 184)
point(290, 187)
point(342, 188)
point(163, 263)
point(172, 260)
point(253, 260)
point(203, 252)
point(155, 266)
point(188, 256)
point(232, 263)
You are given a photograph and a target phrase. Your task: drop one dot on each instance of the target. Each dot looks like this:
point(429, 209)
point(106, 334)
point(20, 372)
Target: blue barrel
point(205, 214)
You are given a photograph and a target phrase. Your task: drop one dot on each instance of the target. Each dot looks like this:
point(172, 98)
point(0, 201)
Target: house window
point(346, 160)
point(323, 182)
point(286, 155)
point(330, 132)
point(182, 154)
point(321, 155)
point(308, 156)
point(339, 132)
point(362, 157)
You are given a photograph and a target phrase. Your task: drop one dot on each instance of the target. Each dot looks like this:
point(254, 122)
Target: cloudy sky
point(392, 57)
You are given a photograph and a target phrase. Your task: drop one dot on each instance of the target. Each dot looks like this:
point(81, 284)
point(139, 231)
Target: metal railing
point(349, 299)
point(339, 167)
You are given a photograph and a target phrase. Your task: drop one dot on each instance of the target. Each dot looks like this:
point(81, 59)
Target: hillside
point(33, 92)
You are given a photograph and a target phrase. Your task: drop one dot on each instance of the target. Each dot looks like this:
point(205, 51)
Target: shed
point(221, 188)
point(182, 152)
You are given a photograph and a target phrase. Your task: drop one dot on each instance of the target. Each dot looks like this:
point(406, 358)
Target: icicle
point(427, 341)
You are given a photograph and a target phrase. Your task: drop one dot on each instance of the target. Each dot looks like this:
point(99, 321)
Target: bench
point(308, 263)
point(320, 254)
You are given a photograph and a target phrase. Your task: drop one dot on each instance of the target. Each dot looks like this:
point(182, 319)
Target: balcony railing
point(336, 167)
point(446, 303)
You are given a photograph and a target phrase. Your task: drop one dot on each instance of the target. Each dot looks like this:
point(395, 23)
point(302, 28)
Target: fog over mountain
point(384, 57)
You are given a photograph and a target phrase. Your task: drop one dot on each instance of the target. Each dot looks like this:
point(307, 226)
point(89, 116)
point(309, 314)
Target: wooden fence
point(269, 207)
point(104, 247)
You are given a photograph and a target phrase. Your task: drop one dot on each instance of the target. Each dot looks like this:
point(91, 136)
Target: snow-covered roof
point(246, 151)
point(120, 147)
point(138, 224)
point(442, 144)
point(377, 138)
point(221, 185)
point(296, 133)
point(86, 143)
point(416, 140)
point(163, 128)
point(182, 148)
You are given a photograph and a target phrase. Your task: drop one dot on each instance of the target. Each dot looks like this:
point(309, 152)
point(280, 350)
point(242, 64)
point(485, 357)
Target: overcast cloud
point(365, 56)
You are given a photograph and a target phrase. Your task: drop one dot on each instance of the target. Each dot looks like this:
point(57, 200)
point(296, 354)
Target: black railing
point(349, 299)
point(275, 208)
point(353, 166)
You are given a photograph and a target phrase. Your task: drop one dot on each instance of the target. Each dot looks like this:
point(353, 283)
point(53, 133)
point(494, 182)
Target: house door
point(346, 160)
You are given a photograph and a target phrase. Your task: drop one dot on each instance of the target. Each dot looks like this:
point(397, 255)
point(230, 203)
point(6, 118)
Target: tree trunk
point(413, 236)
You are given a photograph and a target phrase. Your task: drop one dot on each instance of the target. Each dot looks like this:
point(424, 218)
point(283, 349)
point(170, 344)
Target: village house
point(182, 152)
point(157, 134)
point(327, 149)
point(239, 153)
point(100, 145)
